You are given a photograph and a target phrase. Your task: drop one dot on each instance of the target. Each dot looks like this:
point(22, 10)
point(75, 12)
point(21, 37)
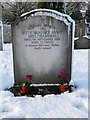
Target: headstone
point(77, 30)
point(1, 29)
point(7, 33)
point(42, 46)
point(82, 43)
point(1, 36)
point(82, 26)
point(87, 30)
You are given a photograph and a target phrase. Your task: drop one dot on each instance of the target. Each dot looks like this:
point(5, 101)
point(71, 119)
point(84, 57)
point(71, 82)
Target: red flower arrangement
point(63, 76)
point(29, 77)
point(25, 86)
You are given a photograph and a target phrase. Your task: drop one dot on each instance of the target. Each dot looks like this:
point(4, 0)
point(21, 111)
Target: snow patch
point(66, 105)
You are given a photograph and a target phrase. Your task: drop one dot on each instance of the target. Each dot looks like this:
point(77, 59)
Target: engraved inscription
point(39, 38)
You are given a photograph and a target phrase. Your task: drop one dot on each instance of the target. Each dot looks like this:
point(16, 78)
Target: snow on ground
point(66, 105)
point(6, 67)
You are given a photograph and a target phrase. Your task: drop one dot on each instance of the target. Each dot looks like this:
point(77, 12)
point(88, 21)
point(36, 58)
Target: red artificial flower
point(62, 74)
point(29, 77)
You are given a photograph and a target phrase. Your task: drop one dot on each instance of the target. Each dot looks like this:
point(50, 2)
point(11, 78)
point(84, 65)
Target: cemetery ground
point(64, 105)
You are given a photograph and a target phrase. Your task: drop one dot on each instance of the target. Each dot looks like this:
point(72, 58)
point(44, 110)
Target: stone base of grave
point(82, 43)
point(38, 90)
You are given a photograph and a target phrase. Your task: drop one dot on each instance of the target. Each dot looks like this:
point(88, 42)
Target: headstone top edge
point(50, 11)
point(46, 12)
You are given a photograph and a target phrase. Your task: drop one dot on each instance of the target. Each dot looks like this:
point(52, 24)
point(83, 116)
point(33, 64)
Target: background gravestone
point(7, 33)
point(42, 46)
point(1, 36)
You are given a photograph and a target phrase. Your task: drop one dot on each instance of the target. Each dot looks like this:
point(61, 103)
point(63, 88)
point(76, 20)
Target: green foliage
point(44, 5)
point(25, 83)
point(52, 5)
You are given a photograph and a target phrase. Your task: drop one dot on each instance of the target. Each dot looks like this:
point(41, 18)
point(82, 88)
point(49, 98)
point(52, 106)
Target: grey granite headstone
point(1, 36)
point(42, 46)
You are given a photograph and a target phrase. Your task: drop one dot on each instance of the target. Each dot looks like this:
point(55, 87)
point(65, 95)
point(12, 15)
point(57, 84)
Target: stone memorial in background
point(7, 33)
point(1, 36)
point(87, 30)
point(83, 42)
point(42, 46)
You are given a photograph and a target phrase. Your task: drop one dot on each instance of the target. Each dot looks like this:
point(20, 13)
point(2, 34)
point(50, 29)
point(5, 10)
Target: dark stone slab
point(82, 43)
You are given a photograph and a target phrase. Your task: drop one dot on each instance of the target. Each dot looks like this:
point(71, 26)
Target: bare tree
point(72, 7)
point(13, 10)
